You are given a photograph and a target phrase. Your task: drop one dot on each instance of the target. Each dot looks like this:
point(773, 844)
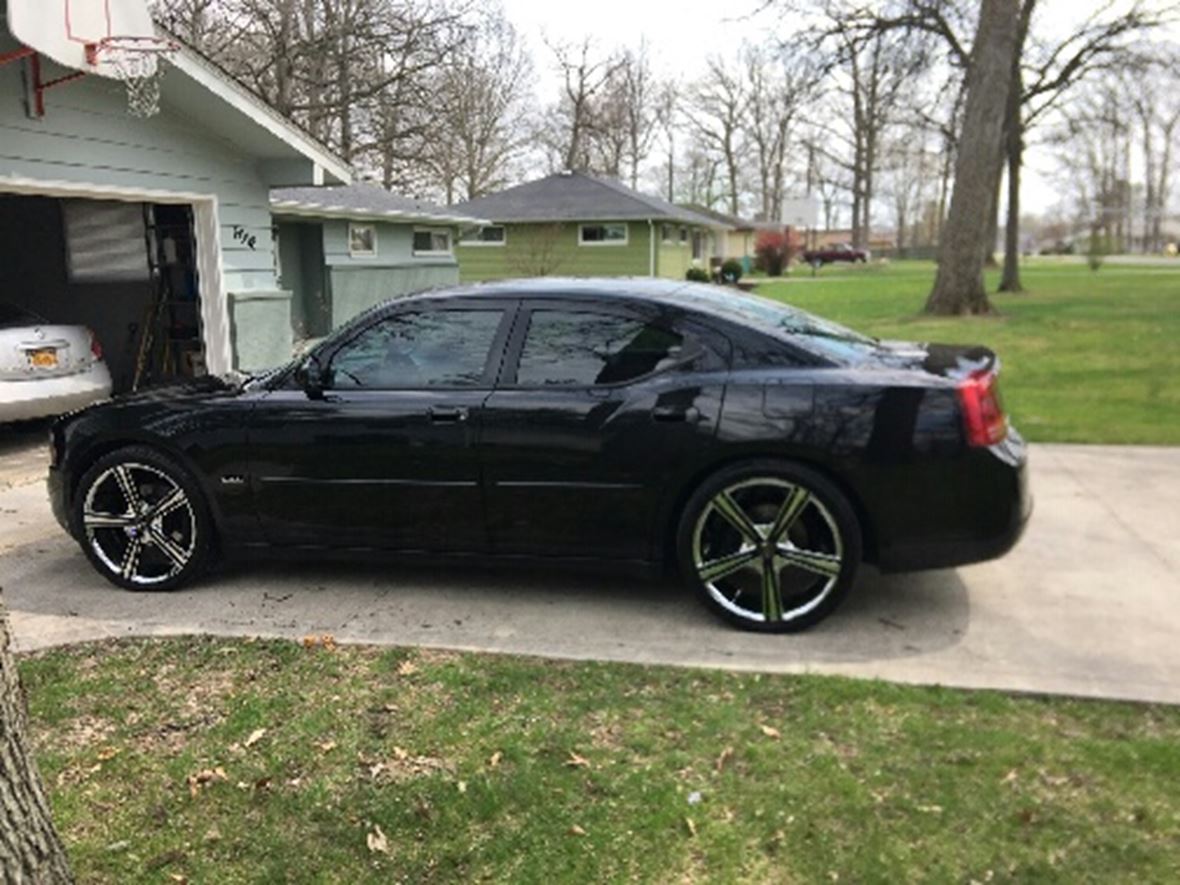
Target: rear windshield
point(11, 315)
point(822, 336)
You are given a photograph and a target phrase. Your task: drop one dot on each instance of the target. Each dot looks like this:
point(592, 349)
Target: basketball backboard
point(72, 32)
point(800, 212)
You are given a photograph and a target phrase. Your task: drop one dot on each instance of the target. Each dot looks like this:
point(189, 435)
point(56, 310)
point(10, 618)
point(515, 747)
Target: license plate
point(45, 358)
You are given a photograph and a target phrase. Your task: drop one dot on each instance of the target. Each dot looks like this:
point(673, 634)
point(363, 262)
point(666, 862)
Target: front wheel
point(142, 521)
point(770, 546)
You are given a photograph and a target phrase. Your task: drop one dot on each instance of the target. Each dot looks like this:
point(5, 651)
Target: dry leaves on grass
point(575, 830)
point(325, 747)
point(771, 732)
point(255, 736)
point(377, 841)
point(407, 668)
point(725, 756)
point(577, 761)
point(403, 766)
point(201, 779)
point(494, 759)
point(325, 640)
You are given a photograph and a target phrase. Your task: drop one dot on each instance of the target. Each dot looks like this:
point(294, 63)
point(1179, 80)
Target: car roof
point(644, 288)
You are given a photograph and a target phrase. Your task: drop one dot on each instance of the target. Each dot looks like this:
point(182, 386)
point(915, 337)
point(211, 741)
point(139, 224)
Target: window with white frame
point(432, 241)
point(362, 240)
point(602, 234)
point(491, 235)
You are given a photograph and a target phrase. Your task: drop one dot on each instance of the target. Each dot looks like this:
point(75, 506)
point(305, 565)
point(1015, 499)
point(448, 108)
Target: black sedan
point(762, 451)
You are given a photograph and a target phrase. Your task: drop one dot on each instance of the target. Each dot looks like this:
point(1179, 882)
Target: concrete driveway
point(1088, 604)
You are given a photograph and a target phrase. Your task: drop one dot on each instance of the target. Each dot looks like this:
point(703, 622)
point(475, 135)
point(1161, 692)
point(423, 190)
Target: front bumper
point(58, 497)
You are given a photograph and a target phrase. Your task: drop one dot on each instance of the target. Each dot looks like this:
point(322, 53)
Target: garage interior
point(127, 270)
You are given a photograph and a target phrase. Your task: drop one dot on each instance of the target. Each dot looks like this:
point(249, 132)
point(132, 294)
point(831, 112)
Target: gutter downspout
point(651, 240)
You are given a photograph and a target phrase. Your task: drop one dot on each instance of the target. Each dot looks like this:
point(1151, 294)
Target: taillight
point(983, 415)
point(95, 347)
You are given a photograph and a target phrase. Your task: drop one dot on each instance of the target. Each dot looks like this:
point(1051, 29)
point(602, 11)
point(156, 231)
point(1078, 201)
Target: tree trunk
point(1010, 279)
point(958, 286)
point(1014, 150)
point(30, 850)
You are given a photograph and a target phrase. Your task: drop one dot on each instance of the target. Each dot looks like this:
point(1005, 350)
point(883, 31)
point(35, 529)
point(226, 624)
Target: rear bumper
point(40, 398)
point(1008, 511)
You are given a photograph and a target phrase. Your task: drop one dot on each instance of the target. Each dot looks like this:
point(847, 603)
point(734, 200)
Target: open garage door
point(128, 270)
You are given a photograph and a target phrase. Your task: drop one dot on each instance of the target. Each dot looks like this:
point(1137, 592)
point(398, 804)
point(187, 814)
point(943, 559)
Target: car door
point(385, 457)
point(598, 408)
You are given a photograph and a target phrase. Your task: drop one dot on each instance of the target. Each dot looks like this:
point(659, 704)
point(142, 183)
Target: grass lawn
point(234, 761)
point(1088, 357)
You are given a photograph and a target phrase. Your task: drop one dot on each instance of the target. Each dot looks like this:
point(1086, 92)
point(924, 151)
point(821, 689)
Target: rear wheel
point(770, 546)
point(142, 521)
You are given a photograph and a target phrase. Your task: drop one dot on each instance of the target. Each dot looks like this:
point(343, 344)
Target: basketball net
point(139, 63)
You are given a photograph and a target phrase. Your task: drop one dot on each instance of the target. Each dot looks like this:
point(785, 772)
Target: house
point(575, 224)
point(156, 231)
point(343, 249)
point(738, 236)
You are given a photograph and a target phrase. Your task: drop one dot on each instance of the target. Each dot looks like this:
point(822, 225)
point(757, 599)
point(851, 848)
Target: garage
point(152, 229)
point(125, 269)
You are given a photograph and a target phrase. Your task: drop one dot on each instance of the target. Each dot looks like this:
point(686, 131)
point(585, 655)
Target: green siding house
point(578, 225)
point(342, 250)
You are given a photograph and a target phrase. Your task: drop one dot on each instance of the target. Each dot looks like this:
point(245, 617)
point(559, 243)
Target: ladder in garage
point(161, 351)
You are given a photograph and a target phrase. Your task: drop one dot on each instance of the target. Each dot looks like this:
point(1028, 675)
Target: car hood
point(207, 387)
point(953, 361)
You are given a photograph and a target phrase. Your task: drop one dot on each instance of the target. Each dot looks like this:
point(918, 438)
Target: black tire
point(173, 549)
point(825, 524)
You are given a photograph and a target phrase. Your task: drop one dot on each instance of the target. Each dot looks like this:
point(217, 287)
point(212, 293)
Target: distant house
point(574, 224)
point(342, 250)
point(737, 236)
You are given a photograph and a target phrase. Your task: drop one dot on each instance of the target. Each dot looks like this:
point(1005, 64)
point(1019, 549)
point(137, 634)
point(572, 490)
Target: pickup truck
point(833, 254)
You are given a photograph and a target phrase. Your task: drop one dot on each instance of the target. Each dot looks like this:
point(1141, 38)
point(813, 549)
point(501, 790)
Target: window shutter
point(105, 241)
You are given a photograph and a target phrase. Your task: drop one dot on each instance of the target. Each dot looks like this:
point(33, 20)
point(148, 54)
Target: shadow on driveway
point(546, 611)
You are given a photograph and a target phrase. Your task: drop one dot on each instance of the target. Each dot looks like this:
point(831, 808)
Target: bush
point(1097, 251)
point(772, 252)
point(697, 275)
point(731, 270)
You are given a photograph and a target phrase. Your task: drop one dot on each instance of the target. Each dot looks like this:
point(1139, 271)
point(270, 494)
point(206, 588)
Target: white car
point(46, 369)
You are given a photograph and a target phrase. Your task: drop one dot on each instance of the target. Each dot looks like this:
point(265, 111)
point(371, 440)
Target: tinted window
point(432, 348)
point(580, 349)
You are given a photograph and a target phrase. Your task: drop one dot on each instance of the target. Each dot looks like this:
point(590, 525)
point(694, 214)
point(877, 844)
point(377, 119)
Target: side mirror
point(310, 376)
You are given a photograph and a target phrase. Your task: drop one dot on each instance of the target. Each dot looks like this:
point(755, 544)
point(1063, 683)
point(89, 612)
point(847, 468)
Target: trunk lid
point(44, 351)
point(954, 361)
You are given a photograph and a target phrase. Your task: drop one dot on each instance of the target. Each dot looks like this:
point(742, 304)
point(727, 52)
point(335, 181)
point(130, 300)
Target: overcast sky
point(681, 34)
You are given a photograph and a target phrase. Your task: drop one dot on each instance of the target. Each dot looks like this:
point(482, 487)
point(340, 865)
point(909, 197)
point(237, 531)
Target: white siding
point(87, 137)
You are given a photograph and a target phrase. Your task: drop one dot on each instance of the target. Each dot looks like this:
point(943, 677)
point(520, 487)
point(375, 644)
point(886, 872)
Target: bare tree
point(1158, 114)
point(30, 849)
point(479, 127)
point(585, 73)
point(720, 99)
point(640, 95)
point(1048, 71)
point(667, 118)
point(779, 88)
point(958, 285)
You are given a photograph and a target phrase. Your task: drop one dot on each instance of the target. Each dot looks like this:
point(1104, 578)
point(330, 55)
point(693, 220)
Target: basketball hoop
point(137, 61)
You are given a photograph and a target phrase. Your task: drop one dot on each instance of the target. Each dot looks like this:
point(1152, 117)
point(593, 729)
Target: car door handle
point(446, 415)
point(690, 414)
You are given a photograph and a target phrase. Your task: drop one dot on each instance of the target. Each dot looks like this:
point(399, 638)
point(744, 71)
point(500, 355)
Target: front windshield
point(777, 318)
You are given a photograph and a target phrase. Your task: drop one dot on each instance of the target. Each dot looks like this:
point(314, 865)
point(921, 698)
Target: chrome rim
point(767, 550)
point(139, 523)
